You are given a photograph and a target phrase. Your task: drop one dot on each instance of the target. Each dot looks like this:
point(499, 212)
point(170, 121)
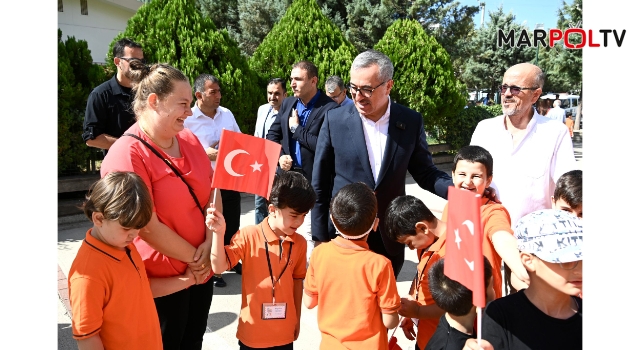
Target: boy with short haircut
point(344, 275)
point(458, 323)
point(473, 171)
point(110, 294)
point(550, 243)
point(568, 193)
point(410, 222)
point(274, 262)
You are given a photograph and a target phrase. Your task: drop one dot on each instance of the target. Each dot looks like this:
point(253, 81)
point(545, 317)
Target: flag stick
point(479, 315)
point(215, 195)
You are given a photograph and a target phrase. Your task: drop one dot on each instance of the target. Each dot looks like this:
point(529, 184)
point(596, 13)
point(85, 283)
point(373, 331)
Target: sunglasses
point(129, 59)
point(514, 89)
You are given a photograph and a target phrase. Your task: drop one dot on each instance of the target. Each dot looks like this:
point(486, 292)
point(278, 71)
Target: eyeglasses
point(353, 90)
point(336, 97)
point(514, 89)
point(566, 265)
point(129, 59)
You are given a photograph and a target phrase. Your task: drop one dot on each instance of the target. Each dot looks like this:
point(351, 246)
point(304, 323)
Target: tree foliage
point(460, 126)
point(77, 76)
point(564, 66)
point(175, 32)
point(487, 65)
point(304, 33)
point(423, 75)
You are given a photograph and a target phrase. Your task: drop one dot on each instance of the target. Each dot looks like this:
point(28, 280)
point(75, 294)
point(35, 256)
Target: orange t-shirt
point(355, 286)
point(427, 327)
point(494, 217)
point(289, 255)
point(110, 295)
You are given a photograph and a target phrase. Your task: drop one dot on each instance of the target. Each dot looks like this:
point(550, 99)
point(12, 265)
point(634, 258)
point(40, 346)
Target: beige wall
point(105, 20)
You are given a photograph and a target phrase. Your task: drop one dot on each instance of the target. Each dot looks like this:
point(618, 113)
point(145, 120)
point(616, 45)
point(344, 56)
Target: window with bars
point(60, 6)
point(84, 9)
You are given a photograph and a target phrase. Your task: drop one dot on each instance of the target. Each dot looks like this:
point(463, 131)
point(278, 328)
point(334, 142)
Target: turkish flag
point(464, 261)
point(245, 163)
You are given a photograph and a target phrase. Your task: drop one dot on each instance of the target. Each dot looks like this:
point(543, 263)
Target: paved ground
point(223, 314)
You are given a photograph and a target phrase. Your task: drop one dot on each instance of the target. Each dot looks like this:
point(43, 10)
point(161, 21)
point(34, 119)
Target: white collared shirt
point(266, 116)
point(375, 136)
point(208, 130)
point(524, 175)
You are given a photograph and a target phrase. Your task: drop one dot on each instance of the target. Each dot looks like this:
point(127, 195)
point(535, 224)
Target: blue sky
point(538, 11)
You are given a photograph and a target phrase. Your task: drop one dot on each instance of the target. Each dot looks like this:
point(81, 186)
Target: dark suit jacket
point(307, 135)
point(341, 159)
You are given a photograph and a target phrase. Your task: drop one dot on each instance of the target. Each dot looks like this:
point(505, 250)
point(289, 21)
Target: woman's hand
point(201, 266)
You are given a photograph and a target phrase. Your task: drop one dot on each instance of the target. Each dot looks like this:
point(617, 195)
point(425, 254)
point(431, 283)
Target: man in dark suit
point(374, 141)
point(297, 126)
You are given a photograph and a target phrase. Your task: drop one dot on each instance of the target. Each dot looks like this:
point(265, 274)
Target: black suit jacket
point(307, 135)
point(341, 159)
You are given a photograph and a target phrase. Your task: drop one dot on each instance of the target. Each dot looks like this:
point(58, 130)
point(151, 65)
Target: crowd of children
point(112, 298)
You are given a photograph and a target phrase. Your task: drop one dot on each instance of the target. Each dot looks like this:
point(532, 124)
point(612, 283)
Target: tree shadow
point(65, 338)
point(219, 320)
point(233, 287)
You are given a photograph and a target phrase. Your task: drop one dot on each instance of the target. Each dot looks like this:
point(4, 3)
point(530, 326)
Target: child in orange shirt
point(569, 123)
point(344, 275)
point(410, 222)
point(111, 297)
point(274, 263)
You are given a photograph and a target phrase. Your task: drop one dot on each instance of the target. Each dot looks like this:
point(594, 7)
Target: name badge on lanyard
point(273, 310)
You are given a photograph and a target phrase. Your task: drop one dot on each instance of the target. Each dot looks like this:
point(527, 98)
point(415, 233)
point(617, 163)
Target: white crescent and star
point(469, 225)
point(229, 158)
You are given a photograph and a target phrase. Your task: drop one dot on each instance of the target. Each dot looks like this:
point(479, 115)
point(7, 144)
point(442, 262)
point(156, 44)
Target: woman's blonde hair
point(156, 79)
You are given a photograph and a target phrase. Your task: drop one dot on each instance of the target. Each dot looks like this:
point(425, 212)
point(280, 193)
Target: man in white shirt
point(267, 113)
point(335, 88)
point(207, 122)
point(557, 113)
point(530, 152)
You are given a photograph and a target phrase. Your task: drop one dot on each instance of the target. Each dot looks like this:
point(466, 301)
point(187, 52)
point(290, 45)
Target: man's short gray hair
point(371, 57)
point(198, 85)
point(556, 103)
point(334, 82)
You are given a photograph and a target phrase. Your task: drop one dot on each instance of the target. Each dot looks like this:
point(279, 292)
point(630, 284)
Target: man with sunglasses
point(530, 152)
point(109, 113)
point(374, 141)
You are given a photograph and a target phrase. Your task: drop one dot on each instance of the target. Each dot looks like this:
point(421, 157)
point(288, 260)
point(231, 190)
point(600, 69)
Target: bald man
point(530, 152)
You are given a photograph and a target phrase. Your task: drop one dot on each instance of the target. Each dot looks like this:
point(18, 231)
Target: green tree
point(423, 75)
point(175, 32)
point(304, 33)
point(485, 68)
point(77, 76)
point(460, 126)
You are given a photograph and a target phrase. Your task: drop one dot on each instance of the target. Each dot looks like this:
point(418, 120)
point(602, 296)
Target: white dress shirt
point(375, 136)
point(524, 175)
point(208, 130)
point(266, 117)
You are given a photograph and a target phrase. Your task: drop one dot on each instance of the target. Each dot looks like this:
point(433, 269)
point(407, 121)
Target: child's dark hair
point(450, 295)
point(354, 208)
point(475, 154)
point(121, 196)
point(402, 215)
point(292, 190)
point(569, 188)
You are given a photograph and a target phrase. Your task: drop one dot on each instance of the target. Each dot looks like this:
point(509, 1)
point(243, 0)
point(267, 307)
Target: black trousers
point(231, 213)
point(376, 245)
point(183, 316)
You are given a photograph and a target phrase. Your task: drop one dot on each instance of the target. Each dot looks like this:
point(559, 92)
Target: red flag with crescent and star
point(245, 163)
point(464, 261)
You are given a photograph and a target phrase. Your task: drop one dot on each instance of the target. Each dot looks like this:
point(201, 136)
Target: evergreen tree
point(423, 75)
point(304, 33)
point(77, 76)
point(175, 32)
point(487, 65)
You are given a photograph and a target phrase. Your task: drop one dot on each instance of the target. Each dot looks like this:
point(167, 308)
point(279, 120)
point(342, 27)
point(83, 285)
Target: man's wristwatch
point(293, 128)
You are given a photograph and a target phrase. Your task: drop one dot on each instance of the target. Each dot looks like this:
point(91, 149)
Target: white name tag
point(276, 311)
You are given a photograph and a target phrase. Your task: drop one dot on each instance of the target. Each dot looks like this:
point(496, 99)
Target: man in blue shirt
point(337, 90)
point(297, 126)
